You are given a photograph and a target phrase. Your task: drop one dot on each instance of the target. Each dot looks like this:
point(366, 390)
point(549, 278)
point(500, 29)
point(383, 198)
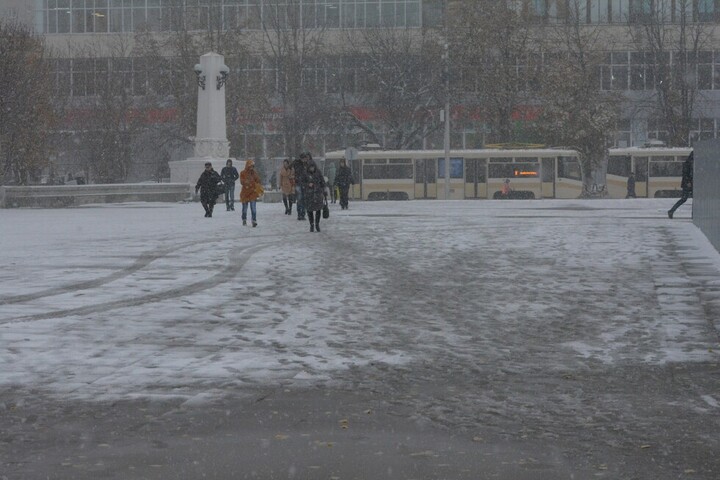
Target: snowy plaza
point(426, 339)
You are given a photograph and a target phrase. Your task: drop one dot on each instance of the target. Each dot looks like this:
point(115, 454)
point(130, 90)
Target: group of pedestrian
point(211, 185)
point(302, 183)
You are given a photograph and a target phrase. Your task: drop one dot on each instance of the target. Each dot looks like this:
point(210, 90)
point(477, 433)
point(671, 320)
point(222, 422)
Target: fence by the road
point(706, 190)
point(57, 196)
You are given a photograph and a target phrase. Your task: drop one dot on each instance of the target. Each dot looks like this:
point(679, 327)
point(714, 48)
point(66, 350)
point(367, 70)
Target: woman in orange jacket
point(251, 191)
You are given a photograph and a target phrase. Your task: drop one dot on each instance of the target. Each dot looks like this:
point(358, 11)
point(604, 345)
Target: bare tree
point(113, 110)
point(26, 106)
point(672, 38)
point(400, 78)
point(294, 47)
point(493, 50)
point(575, 112)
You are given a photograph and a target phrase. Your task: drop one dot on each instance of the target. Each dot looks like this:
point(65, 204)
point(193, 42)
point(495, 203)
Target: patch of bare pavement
point(394, 424)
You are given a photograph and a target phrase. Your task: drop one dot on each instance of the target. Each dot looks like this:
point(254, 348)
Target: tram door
point(425, 178)
point(355, 191)
point(475, 178)
point(640, 167)
point(547, 173)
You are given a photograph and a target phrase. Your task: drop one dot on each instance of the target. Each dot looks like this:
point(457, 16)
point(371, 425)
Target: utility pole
point(446, 112)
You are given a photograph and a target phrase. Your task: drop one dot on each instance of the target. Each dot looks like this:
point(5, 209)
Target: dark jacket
point(314, 190)
point(229, 175)
point(344, 177)
point(207, 184)
point(687, 174)
point(300, 172)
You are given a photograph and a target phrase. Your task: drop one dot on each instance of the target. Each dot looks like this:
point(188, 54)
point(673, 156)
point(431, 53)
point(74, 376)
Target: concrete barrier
point(59, 196)
point(706, 190)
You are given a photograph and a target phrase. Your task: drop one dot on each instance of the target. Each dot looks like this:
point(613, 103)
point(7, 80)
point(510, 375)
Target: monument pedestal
point(190, 169)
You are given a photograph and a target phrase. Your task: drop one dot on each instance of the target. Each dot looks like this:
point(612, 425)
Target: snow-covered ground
point(153, 300)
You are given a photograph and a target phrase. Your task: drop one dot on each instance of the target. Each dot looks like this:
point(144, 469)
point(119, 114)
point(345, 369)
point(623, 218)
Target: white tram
point(533, 173)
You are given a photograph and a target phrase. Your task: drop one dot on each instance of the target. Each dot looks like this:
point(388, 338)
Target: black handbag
point(326, 210)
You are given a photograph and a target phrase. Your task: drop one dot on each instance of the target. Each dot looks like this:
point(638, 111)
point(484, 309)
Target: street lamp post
point(447, 122)
point(446, 67)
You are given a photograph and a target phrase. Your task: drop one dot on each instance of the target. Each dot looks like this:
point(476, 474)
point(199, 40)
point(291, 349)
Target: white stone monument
point(211, 143)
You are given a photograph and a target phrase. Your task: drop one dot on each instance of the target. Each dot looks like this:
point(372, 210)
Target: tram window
point(665, 169)
point(470, 170)
point(525, 170)
point(641, 168)
point(619, 166)
point(548, 169)
point(526, 160)
point(419, 171)
point(569, 167)
point(481, 178)
point(456, 168)
point(500, 171)
point(664, 158)
point(371, 172)
point(399, 171)
point(513, 170)
point(500, 160)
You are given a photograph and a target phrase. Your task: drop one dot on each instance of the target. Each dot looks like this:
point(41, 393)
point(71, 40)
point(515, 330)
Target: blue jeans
point(230, 196)
point(300, 201)
point(252, 210)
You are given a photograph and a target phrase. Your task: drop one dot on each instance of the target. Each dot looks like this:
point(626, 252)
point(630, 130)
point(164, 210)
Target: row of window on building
point(114, 16)
point(625, 71)
point(108, 16)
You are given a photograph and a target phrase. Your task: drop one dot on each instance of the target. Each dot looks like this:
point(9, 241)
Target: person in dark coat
point(631, 186)
point(229, 174)
point(686, 183)
point(315, 196)
point(343, 180)
point(300, 168)
point(207, 185)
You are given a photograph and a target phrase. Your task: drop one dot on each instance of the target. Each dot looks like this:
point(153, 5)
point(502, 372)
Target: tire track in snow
point(237, 261)
point(141, 262)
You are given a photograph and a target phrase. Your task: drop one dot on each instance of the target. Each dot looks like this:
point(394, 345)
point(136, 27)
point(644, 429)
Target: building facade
point(626, 68)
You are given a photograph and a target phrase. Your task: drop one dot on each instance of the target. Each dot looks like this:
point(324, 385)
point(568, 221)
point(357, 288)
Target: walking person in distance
point(631, 186)
point(251, 191)
point(287, 185)
point(686, 184)
point(331, 174)
point(207, 184)
point(315, 196)
point(343, 181)
point(300, 168)
point(229, 174)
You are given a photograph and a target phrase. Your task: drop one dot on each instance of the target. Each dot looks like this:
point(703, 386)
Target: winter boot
point(244, 222)
point(254, 224)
